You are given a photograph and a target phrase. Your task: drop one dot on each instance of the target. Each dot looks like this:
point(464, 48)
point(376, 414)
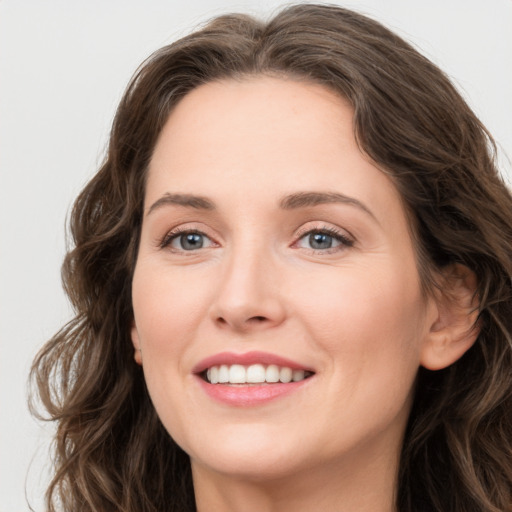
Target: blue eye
point(190, 241)
point(186, 241)
point(321, 241)
point(324, 240)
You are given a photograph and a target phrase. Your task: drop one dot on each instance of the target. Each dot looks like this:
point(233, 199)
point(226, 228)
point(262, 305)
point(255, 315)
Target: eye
point(325, 239)
point(186, 241)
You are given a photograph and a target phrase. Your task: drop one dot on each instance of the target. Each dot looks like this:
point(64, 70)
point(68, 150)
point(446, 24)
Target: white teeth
point(214, 374)
point(298, 375)
point(256, 373)
point(223, 374)
point(272, 373)
point(285, 374)
point(237, 374)
point(253, 374)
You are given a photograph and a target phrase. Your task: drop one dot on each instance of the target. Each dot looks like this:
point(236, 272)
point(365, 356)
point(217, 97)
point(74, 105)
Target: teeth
point(253, 374)
point(272, 373)
point(214, 374)
point(285, 374)
point(256, 373)
point(237, 374)
point(223, 374)
point(298, 375)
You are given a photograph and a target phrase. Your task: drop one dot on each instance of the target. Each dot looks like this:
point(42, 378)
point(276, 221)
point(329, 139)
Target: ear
point(134, 334)
point(455, 327)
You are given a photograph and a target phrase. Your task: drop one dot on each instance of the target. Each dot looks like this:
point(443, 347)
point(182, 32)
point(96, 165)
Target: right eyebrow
point(187, 200)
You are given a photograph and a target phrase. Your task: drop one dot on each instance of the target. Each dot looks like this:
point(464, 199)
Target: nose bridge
point(248, 292)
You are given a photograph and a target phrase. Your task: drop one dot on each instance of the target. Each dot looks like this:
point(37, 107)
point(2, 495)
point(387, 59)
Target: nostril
point(258, 318)
point(251, 321)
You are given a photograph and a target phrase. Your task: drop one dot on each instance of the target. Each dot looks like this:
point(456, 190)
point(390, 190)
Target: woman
point(292, 279)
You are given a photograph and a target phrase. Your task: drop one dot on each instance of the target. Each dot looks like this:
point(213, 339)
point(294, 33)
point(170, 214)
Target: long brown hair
point(111, 451)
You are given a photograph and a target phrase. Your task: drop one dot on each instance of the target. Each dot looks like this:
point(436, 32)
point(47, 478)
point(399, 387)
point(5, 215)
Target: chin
point(254, 454)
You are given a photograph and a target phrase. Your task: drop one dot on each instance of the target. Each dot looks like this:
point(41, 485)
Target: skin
point(354, 313)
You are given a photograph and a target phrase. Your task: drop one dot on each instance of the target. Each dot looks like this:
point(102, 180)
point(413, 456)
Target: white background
point(63, 67)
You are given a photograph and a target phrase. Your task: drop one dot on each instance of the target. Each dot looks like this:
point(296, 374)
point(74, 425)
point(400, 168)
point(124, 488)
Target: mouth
point(254, 374)
point(250, 379)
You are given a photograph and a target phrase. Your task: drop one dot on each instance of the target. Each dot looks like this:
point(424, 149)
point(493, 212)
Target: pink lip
point(247, 359)
point(250, 395)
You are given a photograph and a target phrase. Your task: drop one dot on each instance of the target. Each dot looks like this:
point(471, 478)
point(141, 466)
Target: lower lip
point(250, 395)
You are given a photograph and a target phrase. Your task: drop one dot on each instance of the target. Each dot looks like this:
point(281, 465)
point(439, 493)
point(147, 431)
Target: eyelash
point(337, 235)
point(177, 232)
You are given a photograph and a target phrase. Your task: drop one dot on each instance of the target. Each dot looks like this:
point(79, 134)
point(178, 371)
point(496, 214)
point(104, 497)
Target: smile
point(251, 378)
point(254, 374)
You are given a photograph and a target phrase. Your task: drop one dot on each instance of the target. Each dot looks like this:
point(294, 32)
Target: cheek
point(374, 318)
point(167, 309)
point(166, 305)
point(166, 313)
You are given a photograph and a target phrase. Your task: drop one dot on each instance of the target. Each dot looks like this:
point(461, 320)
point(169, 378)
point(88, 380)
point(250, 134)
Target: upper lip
point(247, 359)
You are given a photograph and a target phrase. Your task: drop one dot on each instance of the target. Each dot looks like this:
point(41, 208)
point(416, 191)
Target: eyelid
point(327, 227)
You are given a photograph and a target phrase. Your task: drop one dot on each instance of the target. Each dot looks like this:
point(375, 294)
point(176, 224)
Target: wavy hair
point(111, 453)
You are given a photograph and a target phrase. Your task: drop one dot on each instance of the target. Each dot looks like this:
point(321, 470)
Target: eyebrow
point(306, 199)
point(289, 202)
point(187, 200)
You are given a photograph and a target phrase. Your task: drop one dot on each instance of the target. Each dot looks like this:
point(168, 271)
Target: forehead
point(262, 137)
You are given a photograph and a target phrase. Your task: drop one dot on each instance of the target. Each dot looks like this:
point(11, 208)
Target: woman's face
point(272, 249)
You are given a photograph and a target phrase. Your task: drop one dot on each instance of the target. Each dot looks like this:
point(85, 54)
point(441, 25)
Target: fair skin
point(267, 231)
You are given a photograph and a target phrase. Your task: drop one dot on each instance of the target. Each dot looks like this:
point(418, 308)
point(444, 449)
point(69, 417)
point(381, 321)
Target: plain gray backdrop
point(63, 67)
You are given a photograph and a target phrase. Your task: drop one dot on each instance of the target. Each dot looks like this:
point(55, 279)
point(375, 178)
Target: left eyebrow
point(305, 199)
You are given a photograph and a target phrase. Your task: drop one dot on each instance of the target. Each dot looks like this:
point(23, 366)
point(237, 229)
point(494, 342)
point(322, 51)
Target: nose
point(248, 296)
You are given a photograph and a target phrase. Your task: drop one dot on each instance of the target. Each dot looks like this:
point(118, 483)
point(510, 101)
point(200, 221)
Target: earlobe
point(455, 328)
point(136, 344)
